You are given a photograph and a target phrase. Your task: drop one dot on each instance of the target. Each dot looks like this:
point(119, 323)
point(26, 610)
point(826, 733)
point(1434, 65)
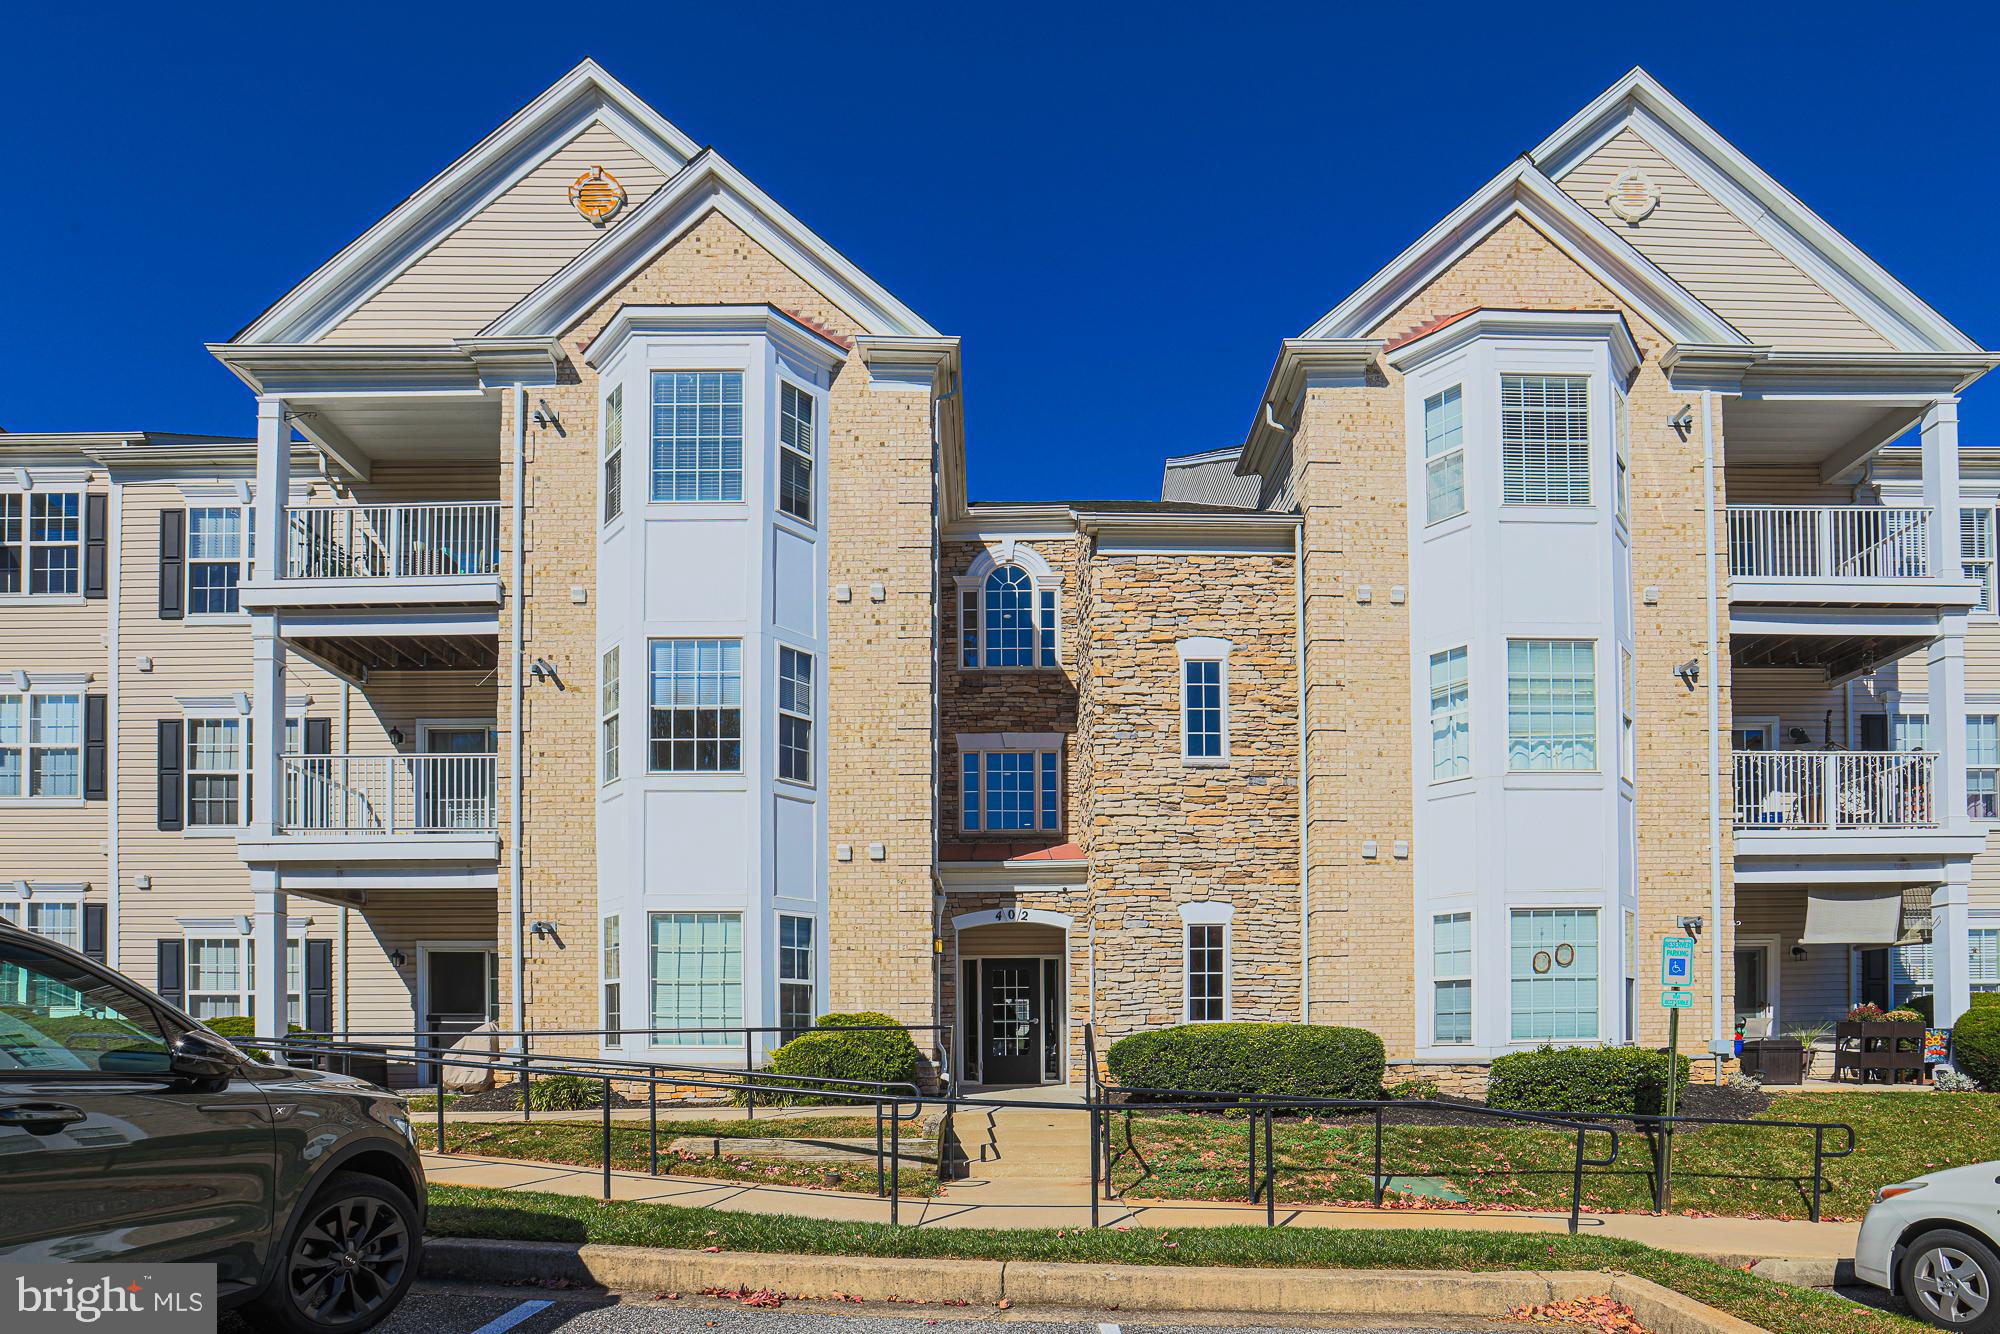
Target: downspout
point(1305, 864)
point(346, 735)
point(517, 586)
point(1718, 1041)
point(115, 520)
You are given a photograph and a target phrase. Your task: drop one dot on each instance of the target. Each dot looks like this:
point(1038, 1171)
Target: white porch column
point(267, 938)
point(1940, 455)
point(267, 650)
point(1947, 714)
point(1951, 946)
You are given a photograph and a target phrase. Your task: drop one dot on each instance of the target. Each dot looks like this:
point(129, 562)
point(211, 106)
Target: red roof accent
point(1010, 852)
point(821, 329)
point(1428, 327)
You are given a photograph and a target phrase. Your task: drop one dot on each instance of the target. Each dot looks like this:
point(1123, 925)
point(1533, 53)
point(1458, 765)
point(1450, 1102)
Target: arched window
point(1007, 611)
point(1009, 619)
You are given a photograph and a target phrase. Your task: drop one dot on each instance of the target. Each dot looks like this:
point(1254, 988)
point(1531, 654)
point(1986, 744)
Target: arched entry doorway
point(1013, 1005)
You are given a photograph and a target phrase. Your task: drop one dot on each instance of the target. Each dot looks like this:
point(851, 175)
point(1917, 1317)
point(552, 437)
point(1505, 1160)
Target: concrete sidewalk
point(1056, 1202)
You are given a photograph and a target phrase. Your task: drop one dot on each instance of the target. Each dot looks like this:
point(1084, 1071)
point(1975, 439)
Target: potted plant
point(1886, 1045)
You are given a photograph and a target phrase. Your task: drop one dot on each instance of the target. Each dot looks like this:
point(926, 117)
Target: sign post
point(1677, 977)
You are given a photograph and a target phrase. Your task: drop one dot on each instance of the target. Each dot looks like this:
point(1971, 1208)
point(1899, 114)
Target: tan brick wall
point(880, 529)
point(1350, 480)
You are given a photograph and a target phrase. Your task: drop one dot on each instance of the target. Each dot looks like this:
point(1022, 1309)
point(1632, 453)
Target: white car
point(1934, 1241)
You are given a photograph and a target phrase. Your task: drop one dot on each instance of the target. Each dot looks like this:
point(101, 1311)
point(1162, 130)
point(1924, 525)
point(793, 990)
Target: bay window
point(795, 452)
point(695, 969)
point(1444, 455)
point(1010, 790)
point(1451, 715)
point(796, 1004)
point(1545, 440)
point(696, 721)
point(795, 713)
point(1552, 974)
point(1551, 704)
point(1451, 978)
point(697, 435)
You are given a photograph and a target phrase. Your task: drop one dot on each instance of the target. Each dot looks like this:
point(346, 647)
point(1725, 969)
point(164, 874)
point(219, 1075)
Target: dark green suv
point(129, 1133)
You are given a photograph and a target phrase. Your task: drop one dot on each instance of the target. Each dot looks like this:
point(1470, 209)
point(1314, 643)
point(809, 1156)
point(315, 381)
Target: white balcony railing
point(1835, 789)
point(1829, 542)
point(392, 541)
point(388, 794)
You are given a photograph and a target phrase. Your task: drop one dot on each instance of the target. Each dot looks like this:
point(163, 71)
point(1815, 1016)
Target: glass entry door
point(456, 793)
point(1011, 1020)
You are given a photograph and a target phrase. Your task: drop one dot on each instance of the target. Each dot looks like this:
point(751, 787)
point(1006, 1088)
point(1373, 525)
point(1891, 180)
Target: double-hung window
point(1444, 455)
point(1628, 687)
point(1975, 550)
point(218, 549)
point(41, 543)
point(222, 977)
point(614, 454)
point(607, 724)
point(795, 715)
point(1451, 978)
point(795, 976)
point(60, 920)
point(1451, 715)
point(1983, 966)
point(1006, 790)
point(1545, 439)
point(1551, 704)
point(1207, 972)
point(1006, 621)
point(1553, 974)
point(1621, 464)
point(695, 969)
point(217, 771)
point(795, 451)
point(41, 745)
point(1204, 710)
point(697, 435)
point(608, 977)
point(1982, 766)
point(697, 706)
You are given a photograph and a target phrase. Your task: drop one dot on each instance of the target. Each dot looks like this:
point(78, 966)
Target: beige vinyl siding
point(1715, 255)
point(501, 253)
point(1800, 697)
point(380, 996)
point(1982, 695)
point(403, 699)
point(1812, 990)
point(1762, 484)
point(405, 483)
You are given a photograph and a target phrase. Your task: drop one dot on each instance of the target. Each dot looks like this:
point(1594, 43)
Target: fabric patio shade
point(1853, 917)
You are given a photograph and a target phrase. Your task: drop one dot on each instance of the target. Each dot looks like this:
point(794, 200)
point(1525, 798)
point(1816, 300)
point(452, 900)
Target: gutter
point(1718, 1042)
point(517, 581)
point(1305, 779)
point(115, 520)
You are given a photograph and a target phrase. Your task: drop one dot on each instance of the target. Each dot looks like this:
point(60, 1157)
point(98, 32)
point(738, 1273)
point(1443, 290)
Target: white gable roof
point(586, 95)
point(1638, 101)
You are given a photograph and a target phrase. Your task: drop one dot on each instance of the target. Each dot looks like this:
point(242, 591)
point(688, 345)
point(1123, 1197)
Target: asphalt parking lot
point(436, 1309)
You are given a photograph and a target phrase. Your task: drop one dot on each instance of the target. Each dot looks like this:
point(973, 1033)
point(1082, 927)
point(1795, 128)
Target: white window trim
point(986, 743)
point(1431, 717)
point(25, 489)
point(246, 544)
point(42, 684)
point(810, 981)
point(1989, 603)
point(611, 501)
point(745, 982)
point(610, 705)
point(1429, 460)
point(1595, 909)
point(971, 601)
point(1208, 914)
point(814, 449)
point(1597, 701)
point(15, 907)
point(1204, 648)
point(238, 929)
point(1469, 977)
point(608, 976)
point(780, 713)
point(742, 707)
point(1591, 388)
point(1628, 716)
point(1971, 768)
point(747, 380)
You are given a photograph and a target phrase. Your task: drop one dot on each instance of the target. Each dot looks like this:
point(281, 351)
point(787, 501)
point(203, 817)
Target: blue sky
point(1120, 210)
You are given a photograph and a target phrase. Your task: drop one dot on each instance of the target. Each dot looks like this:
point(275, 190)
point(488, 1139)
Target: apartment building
point(595, 633)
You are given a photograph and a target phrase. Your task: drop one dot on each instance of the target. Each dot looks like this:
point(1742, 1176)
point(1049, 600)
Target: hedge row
point(1619, 1080)
point(888, 1057)
point(1298, 1060)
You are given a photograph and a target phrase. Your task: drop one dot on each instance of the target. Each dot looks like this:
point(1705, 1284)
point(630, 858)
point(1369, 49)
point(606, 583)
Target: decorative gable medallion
point(596, 195)
point(1633, 196)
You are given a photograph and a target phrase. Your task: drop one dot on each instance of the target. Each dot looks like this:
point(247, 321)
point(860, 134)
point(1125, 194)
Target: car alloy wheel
point(349, 1259)
point(1950, 1285)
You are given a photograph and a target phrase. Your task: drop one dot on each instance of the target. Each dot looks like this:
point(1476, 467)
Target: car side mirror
point(199, 1055)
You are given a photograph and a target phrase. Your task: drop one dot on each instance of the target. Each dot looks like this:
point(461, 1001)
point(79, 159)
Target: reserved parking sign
point(1676, 962)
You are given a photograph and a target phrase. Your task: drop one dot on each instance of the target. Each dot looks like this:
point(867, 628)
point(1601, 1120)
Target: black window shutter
point(96, 512)
point(173, 564)
point(169, 812)
point(319, 736)
point(170, 983)
point(94, 719)
point(93, 931)
point(319, 986)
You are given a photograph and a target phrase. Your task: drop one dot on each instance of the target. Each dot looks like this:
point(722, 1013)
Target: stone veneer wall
point(1160, 833)
point(1348, 473)
point(880, 525)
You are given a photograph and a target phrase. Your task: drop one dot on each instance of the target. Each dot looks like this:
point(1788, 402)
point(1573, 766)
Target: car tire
point(349, 1256)
point(1951, 1279)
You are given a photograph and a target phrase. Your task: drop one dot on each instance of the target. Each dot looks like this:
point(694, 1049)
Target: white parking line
point(514, 1317)
point(1103, 1328)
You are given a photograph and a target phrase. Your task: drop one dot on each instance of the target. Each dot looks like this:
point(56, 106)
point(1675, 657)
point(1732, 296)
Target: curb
point(1043, 1285)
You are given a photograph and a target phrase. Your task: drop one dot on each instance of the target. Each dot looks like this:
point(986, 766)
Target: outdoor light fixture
point(395, 736)
point(397, 958)
point(1689, 672)
point(1798, 954)
point(542, 929)
point(1691, 925)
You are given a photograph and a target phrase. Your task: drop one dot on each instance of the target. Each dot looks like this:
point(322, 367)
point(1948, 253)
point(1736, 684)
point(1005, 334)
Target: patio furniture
point(1774, 1060)
point(1778, 807)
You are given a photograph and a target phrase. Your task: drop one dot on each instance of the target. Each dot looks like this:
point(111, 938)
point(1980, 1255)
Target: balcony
point(1835, 789)
point(1840, 543)
point(383, 808)
point(388, 587)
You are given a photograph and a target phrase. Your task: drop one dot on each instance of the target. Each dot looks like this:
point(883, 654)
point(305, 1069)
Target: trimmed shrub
point(234, 1026)
point(1301, 1060)
point(1975, 1044)
point(885, 1056)
point(1583, 1079)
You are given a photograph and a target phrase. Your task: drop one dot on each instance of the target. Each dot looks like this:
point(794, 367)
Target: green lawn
point(457, 1211)
point(581, 1143)
point(1717, 1169)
